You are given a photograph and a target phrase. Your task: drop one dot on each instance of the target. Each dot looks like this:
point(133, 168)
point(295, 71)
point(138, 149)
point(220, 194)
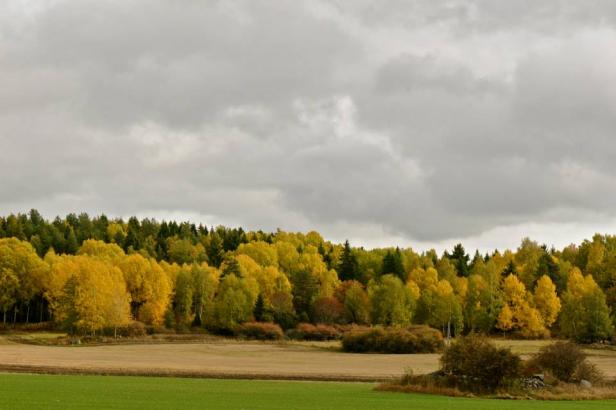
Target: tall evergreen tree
point(259, 309)
point(348, 267)
point(547, 266)
point(214, 250)
point(510, 269)
point(71, 244)
point(460, 259)
point(392, 263)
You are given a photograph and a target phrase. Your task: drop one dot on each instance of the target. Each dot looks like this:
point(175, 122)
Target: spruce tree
point(214, 250)
point(510, 269)
point(548, 267)
point(259, 308)
point(460, 258)
point(348, 267)
point(392, 263)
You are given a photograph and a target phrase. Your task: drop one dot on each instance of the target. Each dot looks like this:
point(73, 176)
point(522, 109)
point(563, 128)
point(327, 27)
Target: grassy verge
point(21, 391)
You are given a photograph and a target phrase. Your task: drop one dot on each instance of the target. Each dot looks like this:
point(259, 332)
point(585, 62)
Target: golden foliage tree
point(546, 300)
point(505, 319)
point(585, 315)
point(149, 287)
point(526, 319)
point(93, 297)
point(22, 274)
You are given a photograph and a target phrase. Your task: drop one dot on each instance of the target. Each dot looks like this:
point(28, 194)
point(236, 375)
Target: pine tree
point(71, 244)
point(259, 309)
point(214, 250)
point(509, 270)
point(392, 263)
point(460, 259)
point(548, 267)
point(348, 267)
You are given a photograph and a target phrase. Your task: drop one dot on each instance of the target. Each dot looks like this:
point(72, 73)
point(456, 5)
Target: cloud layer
point(413, 124)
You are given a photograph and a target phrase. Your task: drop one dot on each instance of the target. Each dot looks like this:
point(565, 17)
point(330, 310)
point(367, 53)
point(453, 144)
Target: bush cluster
point(259, 331)
point(308, 331)
point(36, 327)
point(132, 329)
point(416, 339)
point(473, 363)
point(565, 361)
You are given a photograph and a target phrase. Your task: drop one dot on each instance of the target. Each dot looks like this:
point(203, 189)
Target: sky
point(408, 123)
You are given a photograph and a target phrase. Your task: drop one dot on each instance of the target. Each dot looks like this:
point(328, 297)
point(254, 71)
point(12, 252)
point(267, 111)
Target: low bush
point(308, 331)
point(132, 329)
point(588, 371)
point(473, 363)
point(37, 327)
point(259, 331)
point(159, 330)
point(566, 361)
point(417, 339)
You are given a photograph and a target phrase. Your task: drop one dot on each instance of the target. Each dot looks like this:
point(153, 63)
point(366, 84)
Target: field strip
point(186, 374)
point(247, 360)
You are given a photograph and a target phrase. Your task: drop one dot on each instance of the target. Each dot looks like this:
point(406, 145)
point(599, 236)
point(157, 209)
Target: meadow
point(26, 391)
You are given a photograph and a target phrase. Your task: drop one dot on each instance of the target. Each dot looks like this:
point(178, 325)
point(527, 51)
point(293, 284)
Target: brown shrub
point(159, 330)
point(132, 329)
point(478, 365)
point(393, 340)
point(259, 331)
point(588, 371)
point(37, 327)
point(562, 359)
point(308, 331)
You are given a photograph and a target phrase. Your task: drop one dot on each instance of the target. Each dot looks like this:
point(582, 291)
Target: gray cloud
point(418, 122)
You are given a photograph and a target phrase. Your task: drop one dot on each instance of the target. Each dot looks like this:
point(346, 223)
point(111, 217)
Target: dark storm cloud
point(421, 122)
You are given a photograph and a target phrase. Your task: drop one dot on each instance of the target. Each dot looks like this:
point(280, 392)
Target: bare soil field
point(232, 359)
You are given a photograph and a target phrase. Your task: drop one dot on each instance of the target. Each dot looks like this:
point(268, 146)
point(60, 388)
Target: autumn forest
point(87, 274)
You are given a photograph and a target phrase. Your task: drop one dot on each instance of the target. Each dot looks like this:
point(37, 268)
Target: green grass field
point(23, 391)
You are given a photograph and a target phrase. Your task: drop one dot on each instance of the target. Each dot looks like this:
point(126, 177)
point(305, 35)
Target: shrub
point(588, 371)
point(562, 359)
point(393, 340)
point(478, 365)
point(159, 330)
point(259, 331)
point(38, 327)
point(132, 329)
point(307, 331)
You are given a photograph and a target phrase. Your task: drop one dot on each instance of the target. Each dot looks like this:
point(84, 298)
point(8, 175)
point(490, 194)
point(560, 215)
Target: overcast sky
point(411, 123)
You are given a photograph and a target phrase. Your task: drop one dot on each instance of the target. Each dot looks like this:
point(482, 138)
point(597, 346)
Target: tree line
point(92, 273)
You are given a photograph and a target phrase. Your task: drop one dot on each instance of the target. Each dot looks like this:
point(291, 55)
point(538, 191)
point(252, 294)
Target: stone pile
point(534, 382)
